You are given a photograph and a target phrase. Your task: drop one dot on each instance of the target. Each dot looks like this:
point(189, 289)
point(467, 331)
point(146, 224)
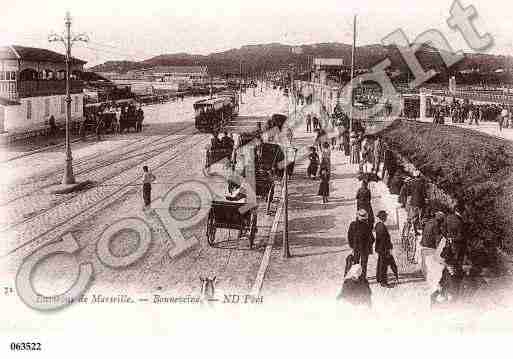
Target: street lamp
point(67, 39)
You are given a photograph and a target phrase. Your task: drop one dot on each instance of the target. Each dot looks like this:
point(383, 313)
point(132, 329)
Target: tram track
point(137, 160)
point(102, 194)
point(85, 166)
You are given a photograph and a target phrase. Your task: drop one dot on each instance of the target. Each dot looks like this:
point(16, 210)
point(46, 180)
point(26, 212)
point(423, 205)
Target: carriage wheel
point(252, 228)
point(211, 229)
point(270, 197)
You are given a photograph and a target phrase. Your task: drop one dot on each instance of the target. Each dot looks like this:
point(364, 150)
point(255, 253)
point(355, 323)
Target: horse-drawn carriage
point(217, 151)
point(228, 215)
point(97, 120)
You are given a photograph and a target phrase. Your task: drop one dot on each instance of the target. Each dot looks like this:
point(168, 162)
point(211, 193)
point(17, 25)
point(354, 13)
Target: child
point(314, 163)
point(324, 187)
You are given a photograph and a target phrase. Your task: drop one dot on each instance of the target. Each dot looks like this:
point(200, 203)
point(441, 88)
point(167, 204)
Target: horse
point(207, 291)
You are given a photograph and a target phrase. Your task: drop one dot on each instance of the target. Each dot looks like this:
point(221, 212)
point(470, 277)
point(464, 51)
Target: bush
point(474, 168)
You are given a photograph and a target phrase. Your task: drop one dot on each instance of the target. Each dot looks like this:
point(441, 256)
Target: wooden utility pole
point(286, 248)
point(68, 177)
point(351, 97)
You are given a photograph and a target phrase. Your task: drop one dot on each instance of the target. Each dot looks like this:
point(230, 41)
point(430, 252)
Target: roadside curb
point(259, 280)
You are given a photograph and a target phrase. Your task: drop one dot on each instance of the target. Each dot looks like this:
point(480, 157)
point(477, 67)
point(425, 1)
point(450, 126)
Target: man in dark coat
point(453, 229)
point(140, 119)
point(363, 201)
point(383, 249)
point(361, 240)
point(432, 233)
point(53, 126)
point(389, 164)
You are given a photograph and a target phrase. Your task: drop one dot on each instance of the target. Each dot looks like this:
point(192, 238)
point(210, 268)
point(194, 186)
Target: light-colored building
point(191, 75)
point(33, 87)
point(328, 64)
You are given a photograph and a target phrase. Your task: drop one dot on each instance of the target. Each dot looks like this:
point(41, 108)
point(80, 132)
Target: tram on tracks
point(234, 98)
point(212, 114)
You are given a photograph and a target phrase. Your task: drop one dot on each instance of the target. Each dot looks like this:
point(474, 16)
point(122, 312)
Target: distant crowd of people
point(464, 111)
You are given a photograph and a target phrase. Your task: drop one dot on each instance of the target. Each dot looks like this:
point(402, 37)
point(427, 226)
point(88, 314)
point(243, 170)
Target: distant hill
point(275, 56)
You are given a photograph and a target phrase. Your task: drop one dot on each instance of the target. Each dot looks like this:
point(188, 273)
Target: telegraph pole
point(67, 39)
point(286, 247)
point(240, 81)
point(351, 103)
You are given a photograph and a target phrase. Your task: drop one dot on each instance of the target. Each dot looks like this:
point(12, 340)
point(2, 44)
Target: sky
point(137, 30)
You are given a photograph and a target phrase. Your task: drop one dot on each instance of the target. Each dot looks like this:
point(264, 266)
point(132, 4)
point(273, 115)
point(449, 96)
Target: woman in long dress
point(355, 149)
point(324, 186)
point(326, 157)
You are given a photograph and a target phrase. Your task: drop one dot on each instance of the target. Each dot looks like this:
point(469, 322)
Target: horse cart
point(215, 155)
point(228, 215)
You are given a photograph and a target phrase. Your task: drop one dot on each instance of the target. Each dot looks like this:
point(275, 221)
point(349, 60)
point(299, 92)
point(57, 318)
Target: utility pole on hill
point(351, 89)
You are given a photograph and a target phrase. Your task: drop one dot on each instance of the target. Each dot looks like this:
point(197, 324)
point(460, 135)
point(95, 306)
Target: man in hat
point(384, 250)
point(363, 201)
point(361, 240)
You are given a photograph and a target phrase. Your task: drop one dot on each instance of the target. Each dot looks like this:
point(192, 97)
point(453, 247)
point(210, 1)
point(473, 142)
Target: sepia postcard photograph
point(230, 178)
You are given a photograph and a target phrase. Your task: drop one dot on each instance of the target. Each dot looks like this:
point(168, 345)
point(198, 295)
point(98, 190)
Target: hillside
point(275, 56)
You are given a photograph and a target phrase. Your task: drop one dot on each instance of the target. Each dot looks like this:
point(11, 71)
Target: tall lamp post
point(67, 39)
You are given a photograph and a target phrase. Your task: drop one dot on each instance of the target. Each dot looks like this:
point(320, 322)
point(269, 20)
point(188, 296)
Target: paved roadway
point(35, 218)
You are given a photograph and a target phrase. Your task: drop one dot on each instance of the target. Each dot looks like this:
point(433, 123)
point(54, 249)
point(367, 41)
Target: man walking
point(148, 178)
point(363, 201)
point(361, 240)
point(453, 230)
point(417, 192)
point(308, 123)
point(384, 250)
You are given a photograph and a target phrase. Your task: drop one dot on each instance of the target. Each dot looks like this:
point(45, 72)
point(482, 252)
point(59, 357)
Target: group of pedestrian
point(312, 120)
point(320, 168)
point(365, 238)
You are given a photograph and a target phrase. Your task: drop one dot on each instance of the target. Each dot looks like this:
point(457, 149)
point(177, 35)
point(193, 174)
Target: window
point(29, 110)
point(13, 75)
point(2, 75)
point(47, 107)
point(63, 104)
point(76, 104)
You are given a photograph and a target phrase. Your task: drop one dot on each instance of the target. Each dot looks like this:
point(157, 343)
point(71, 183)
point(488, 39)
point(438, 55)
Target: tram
point(234, 98)
point(212, 114)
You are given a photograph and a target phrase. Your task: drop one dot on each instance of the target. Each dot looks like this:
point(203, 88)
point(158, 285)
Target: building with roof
point(33, 87)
